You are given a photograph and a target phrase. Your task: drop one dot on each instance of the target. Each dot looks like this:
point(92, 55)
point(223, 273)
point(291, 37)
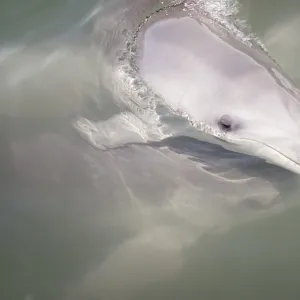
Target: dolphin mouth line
point(270, 147)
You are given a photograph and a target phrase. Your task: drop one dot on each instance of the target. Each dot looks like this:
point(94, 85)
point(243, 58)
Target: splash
point(225, 13)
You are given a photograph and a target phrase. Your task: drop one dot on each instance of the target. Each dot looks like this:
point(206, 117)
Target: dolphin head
point(233, 92)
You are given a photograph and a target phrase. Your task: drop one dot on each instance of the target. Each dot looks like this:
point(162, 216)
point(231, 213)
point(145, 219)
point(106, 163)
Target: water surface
point(139, 222)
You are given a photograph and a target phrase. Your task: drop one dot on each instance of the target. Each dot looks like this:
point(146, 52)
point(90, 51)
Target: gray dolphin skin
point(230, 93)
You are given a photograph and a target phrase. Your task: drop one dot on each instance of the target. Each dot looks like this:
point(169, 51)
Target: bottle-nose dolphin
point(233, 93)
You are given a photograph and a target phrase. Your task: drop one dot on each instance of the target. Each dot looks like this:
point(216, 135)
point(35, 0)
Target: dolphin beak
point(281, 153)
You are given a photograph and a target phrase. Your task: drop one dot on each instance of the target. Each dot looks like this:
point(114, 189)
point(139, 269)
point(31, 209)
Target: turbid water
point(134, 223)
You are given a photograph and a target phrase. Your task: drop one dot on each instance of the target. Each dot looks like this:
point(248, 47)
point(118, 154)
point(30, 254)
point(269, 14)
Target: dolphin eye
point(225, 123)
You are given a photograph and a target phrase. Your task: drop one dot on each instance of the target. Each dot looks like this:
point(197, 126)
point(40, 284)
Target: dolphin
point(146, 204)
point(175, 63)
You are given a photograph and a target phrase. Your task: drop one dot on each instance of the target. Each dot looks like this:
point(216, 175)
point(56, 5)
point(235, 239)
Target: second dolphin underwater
point(178, 63)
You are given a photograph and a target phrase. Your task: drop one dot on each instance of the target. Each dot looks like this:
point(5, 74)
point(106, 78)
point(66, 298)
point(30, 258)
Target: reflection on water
point(172, 220)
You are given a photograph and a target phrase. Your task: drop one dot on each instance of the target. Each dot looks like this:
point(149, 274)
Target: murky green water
point(51, 226)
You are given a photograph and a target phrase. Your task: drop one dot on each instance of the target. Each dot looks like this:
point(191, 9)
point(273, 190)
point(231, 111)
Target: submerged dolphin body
point(178, 63)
